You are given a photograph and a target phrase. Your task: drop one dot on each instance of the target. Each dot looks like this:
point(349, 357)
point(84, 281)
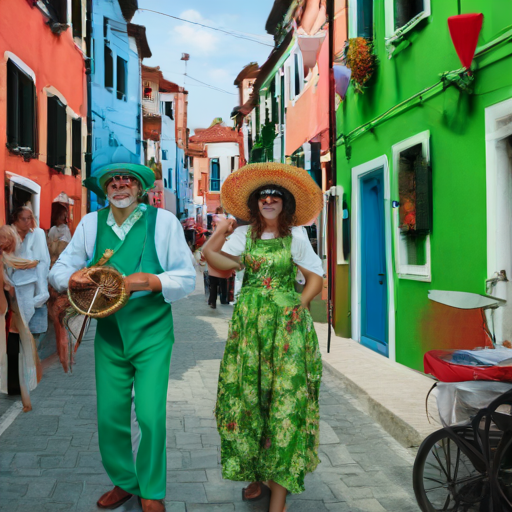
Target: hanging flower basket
point(358, 56)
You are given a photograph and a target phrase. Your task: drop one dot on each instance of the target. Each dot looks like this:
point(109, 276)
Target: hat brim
point(240, 184)
point(96, 182)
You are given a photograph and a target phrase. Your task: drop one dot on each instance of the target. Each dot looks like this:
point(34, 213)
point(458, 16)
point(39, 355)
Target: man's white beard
point(122, 203)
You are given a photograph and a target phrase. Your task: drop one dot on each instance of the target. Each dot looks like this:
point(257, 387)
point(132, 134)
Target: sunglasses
point(269, 192)
point(121, 179)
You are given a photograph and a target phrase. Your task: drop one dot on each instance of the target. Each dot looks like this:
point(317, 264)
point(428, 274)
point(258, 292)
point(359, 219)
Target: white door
point(499, 214)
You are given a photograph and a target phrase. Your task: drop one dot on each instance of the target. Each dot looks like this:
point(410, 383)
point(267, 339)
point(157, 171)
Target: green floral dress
point(267, 400)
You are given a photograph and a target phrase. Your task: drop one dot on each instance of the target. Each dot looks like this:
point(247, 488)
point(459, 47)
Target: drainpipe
point(331, 212)
point(88, 72)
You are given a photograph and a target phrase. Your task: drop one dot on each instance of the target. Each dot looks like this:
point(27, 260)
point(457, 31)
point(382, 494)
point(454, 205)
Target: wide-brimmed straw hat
point(96, 182)
point(240, 184)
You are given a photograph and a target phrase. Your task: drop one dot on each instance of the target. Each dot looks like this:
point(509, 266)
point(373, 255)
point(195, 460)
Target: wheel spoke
point(435, 454)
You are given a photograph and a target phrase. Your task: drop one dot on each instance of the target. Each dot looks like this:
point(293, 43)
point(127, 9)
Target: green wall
point(456, 121)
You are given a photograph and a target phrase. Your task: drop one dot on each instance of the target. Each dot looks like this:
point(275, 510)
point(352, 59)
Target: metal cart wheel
point(445, 479)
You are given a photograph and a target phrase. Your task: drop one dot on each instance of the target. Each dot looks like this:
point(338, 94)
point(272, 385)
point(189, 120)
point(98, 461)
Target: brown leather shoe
point(153, 505)
point(114, 498)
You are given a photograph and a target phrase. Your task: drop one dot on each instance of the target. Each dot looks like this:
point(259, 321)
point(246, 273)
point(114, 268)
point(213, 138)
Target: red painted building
point(43, 106)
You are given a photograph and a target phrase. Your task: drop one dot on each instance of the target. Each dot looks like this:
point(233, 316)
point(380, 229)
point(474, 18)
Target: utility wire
point(233, 34)
point(210, 86)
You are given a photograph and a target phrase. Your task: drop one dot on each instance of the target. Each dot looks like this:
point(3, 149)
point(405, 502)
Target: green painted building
point(427, 139)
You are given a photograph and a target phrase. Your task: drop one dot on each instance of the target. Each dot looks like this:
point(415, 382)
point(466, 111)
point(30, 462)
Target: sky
point(215, 58)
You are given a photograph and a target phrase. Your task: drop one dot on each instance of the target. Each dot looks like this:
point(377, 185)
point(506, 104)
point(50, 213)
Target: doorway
point(499, 215)
point(373, 264)
point(372, 312)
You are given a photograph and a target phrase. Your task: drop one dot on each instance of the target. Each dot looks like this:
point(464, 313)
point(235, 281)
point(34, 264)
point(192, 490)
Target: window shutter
point(76, 141)
point(12, 104)
point(57, 134)
point(109, 67)
point(76, 17)
point(121, 78)
point(415, 190)
point(423, 174)
point(27, 112)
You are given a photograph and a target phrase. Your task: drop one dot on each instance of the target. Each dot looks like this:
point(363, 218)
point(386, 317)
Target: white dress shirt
point(178, 278)
point(303, 253)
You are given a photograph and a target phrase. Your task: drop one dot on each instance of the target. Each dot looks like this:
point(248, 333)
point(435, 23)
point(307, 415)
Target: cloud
point(194, 38)
point(221, 75)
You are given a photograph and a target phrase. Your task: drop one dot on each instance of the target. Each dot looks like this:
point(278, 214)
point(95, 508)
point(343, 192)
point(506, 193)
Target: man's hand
point(142, 281)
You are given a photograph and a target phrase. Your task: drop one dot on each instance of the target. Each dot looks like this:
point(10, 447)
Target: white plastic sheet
point(459, 402)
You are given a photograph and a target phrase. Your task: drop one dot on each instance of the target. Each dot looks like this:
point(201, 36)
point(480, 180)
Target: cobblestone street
point(49, 458)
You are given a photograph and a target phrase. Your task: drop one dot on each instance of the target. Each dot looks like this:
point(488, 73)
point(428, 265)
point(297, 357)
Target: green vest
point(146, 313)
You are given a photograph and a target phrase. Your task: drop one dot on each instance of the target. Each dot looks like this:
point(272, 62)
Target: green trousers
point(133, 348)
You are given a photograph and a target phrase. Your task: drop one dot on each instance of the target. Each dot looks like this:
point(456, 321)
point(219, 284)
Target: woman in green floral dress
point(267, 401)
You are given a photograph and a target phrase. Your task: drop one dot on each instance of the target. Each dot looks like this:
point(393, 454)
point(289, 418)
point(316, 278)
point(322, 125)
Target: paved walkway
point(389, 392)
point(49, 458)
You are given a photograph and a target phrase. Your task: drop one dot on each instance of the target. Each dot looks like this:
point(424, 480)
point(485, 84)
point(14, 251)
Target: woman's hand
point(142, 281)
point(226, 227)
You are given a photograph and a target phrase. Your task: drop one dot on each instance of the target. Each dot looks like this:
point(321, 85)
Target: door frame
point(359, 172)
point(492, 136)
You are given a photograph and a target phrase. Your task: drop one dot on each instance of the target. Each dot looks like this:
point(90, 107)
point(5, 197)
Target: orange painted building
point(217, 151)
point(43, 106)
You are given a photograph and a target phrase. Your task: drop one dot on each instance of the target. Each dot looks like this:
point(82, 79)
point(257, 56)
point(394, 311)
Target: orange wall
point(57, 62)
point(310, 115)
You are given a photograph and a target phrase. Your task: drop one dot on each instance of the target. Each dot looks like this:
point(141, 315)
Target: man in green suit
point(133, 346)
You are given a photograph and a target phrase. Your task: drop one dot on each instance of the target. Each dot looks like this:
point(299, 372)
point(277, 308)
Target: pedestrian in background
point(20, 368)
point(267, 401)
point(218, 279)
point(59, 237)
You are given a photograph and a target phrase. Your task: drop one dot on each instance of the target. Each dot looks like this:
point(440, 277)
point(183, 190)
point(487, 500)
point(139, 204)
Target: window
point(168, 109)
point(405, 11)
point(21, 113)
point(164, 154)
point(121, 78)
point(402, 15)
point(361, 18)
point(297, 75)
point(76, 145)
point(76, 18)
point(214, 175)
point(233, 160)
point(274, 102)
point(109, 68)
point(57, 134)
point(148, 91)
point(57, 10)
point(412, 214)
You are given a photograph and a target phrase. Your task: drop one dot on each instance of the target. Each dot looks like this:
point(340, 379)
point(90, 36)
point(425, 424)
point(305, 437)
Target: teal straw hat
point(96, 182)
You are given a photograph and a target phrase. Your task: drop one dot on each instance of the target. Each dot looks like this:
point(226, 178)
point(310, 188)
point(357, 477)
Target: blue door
point(374, 296)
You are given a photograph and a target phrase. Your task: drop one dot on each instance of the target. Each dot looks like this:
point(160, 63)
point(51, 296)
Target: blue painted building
point(117, 48)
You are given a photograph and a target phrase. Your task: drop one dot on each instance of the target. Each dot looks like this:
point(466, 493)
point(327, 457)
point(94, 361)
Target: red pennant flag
point(464, 30)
